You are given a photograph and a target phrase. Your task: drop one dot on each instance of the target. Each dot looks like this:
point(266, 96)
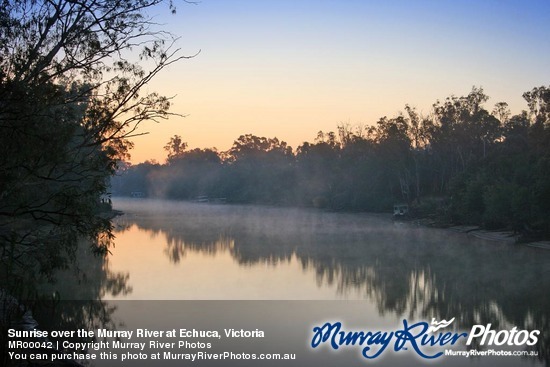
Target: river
point(366, 265)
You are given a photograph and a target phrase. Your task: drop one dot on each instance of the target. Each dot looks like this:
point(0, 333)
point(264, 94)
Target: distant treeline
point(462, 164)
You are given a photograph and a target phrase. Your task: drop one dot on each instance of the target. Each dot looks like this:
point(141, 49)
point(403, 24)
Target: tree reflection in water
point(408, 271)
point(73, 301)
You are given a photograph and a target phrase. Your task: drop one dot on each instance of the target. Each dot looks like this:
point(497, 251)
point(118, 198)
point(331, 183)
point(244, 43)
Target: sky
point(290, 68)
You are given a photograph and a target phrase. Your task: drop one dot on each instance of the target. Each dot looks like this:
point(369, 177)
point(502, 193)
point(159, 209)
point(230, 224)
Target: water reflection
point(194, 251)
point(74, 300)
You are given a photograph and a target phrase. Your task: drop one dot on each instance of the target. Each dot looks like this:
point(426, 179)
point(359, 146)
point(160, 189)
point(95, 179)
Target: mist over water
point(181, 250)
point(381, 271)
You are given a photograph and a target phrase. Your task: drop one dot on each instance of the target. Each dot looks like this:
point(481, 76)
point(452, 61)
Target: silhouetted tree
point(175, 147)
point(459, 163)
point(70, 97)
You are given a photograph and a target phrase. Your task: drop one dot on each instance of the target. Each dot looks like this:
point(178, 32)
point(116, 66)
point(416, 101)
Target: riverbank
point(500, 236)
point(503, 236)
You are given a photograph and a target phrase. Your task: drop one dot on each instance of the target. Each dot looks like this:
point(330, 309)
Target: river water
point(179, 250)
point(366, 265)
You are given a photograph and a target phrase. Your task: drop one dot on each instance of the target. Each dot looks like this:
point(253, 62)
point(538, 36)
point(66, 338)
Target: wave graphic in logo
point(439, 325)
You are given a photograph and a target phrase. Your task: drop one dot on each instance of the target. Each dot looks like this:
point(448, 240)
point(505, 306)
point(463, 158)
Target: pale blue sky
point(291, 68)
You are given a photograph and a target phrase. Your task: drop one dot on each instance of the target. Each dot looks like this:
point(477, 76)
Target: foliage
point(461, 161)
point(70, 96)
point(175, 147)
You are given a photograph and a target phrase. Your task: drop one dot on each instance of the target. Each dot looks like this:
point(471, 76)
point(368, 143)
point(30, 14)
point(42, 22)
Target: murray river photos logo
point(428, 340)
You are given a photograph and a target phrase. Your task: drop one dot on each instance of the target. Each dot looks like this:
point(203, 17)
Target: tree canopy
point(71, 94)
point(461, 163)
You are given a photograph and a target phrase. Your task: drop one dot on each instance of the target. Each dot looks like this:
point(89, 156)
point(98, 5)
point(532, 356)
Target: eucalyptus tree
point(175, 148)
point(538, 100)
point(259, 169)
point(71, 94)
